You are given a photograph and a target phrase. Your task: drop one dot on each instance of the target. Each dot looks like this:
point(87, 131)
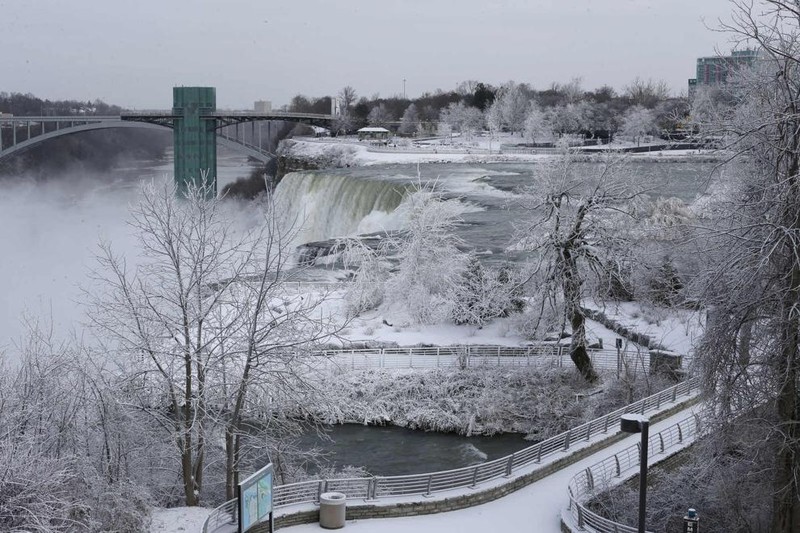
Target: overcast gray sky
point(132, 53)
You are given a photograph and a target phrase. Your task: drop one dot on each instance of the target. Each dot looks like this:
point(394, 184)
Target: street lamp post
point(632, 423)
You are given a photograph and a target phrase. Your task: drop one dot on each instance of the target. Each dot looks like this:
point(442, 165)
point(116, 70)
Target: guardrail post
point(588, 431)
point(661, 438)
point(680, 433)
point(539, 453)
point(616, 460)
point(644, 403)
point(320, 489)
point(658, 401)
point(581, 522)
point(430, 481)
point(674, 393)
point(474, 478)
point(567, 439)
point(509, 465)
point(605, 424)
point(589, 479)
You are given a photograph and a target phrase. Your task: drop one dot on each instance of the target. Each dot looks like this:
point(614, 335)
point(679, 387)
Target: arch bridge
point(198, 127)
point(20, 133)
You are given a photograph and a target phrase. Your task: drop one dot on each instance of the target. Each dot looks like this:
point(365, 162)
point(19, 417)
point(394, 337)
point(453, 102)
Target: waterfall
point(328, 206)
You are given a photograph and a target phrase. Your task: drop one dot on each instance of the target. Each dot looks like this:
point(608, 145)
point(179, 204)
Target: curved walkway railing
point(600, 476)
point(377, 487)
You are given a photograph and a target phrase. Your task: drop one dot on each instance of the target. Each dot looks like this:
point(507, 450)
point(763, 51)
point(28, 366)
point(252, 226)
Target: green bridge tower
point(195, 138)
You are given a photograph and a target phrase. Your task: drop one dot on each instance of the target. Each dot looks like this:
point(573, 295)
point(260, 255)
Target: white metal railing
point(377, 487)
point(474, 355)
point(223, 518)
point(600, 476)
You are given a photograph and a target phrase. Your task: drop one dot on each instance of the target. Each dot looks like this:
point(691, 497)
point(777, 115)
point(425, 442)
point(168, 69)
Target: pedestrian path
point(535, 508)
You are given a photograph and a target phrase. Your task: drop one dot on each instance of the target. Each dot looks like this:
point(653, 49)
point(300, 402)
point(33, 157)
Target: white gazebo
point(373, 133)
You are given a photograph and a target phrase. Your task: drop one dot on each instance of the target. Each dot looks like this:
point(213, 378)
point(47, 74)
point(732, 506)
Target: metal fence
point(377, 487)
point(471, 356)
point(600, 476)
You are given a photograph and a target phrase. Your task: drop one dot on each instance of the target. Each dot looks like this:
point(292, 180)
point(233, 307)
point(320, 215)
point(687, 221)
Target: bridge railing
point(377, 487)
point(601, 476)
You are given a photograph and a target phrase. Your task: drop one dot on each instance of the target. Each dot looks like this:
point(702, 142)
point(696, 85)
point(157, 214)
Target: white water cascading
point(329, 206)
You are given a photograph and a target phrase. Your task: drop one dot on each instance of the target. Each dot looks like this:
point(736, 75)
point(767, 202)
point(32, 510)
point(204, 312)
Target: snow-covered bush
point(429, 261)
point(470, 401)
point(485, 293)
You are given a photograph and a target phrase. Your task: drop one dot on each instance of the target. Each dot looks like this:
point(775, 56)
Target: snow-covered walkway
point(536, 508)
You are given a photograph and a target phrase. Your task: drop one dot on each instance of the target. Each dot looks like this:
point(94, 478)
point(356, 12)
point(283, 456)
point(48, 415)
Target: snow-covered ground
point(676, 329)
point(179, 520)
point(477, 150)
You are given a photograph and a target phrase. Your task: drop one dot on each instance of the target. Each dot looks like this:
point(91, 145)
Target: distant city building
point(262, 106)
point(715, 70)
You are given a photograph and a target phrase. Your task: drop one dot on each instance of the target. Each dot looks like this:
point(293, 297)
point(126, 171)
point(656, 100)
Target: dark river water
point(392, 451)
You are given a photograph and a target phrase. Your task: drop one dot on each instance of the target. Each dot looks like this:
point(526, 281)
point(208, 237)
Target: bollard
point(691, 522)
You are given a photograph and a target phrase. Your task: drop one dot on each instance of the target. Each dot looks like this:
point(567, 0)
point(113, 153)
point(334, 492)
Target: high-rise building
point(715, 70)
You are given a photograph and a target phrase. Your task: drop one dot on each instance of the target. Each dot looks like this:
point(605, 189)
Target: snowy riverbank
point(348, 152)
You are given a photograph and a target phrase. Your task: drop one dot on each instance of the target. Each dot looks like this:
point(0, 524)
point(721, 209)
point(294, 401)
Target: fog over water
point(49, 235)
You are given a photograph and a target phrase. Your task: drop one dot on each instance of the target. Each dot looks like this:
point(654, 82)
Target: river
point(49, 234)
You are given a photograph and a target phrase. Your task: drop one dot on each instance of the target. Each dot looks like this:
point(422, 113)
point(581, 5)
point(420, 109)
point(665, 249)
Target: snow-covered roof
point(373, 130)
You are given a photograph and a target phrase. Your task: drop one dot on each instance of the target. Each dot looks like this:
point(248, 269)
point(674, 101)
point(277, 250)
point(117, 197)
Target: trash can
point(332, 510)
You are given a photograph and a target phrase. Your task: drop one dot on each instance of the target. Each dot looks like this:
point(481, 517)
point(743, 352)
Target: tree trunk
point(572, 300)
point(785, 507)
point(230, 487)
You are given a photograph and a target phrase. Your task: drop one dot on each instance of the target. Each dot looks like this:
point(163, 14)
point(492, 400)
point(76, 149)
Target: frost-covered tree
point(510, 107)
point(379, 116)
point(409, 123)
point(566, 119)
point(638, 122)
point(537, 126)
point(462, 118)
point(204, 327)
point(751, 351)
point(484, 293)
point(574, 223)
point(429, 261)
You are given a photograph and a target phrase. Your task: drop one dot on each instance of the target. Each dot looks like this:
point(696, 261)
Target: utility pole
point(404, 88)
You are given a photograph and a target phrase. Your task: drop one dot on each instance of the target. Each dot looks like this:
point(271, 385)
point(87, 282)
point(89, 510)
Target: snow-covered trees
point(429, 261)
point(510, 108)
point(485, 293)
point(751, 352)
point(463, 119)
point(204, 324)
point(537, 125)
point(379, 116)
point(66, 453)
point(639, 121)
point(573, 226)
point(409, 123)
